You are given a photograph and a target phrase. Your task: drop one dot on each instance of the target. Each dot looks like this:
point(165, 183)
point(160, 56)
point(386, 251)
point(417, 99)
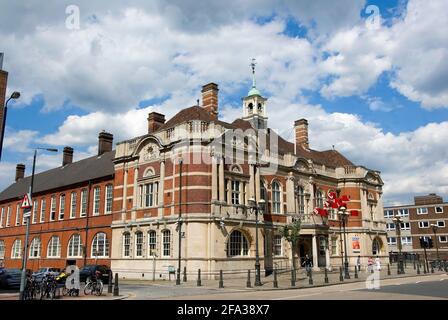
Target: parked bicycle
point(94, 287)
point(48, 287)
point(32, 288)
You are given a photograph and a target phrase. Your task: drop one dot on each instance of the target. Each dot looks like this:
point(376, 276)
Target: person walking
point(308, 263)
point(378, 263)
point(370, 265)
point(358, 263)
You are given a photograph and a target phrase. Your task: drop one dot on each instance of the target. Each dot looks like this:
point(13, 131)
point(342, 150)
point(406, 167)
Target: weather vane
point(253, 64)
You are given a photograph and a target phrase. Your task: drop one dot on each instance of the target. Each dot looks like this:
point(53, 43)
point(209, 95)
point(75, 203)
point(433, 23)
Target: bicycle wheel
point(99, 288)
point(65, 291)
point(88, 289)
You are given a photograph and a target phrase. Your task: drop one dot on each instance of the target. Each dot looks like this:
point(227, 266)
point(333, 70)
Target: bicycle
point(32, 288)
point(48, 287)
point(94, 287)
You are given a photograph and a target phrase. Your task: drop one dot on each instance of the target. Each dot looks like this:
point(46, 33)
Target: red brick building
point(71, 216)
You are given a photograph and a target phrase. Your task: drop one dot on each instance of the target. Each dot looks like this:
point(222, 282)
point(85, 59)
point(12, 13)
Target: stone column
point(251, 181)
point(327, 255)
point(161, 188)
point(290, 207)
point(315, 253)
point(221, 180)
point(214, 179)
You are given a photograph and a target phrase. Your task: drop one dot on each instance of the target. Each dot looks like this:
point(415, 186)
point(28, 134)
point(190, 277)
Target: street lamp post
point(398, 220)
point(435, 227)
point(343, 216)
point(14, 96)
point(179, 223)
point(27, 220)
point(257, 208)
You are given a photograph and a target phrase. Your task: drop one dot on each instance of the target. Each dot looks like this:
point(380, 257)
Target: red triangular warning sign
point(26, 202)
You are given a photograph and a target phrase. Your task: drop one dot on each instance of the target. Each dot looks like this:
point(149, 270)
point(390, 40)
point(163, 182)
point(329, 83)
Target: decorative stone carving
point(150, 152)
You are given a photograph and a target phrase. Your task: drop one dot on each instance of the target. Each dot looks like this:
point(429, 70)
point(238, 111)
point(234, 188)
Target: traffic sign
point(26, 202)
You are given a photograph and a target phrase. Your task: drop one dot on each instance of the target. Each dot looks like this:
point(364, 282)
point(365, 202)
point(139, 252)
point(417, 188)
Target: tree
point(291, 233)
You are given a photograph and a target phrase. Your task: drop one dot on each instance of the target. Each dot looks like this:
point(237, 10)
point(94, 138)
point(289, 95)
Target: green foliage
point(291, 232)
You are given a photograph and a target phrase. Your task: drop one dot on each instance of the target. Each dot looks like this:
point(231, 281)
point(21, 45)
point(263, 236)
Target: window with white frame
point(73, 204)
point(2, 249)
point(392, 241)
point(16, 252)
point(96, 201)
point(152, 242)
point(8, 216)
point(423, 224)
point(18, 214)
point(54, 247)
point(388, 213)
point(166, 241)
point(406, 241)
point(139, 244)
point(53, 208)
point(320, 198)
point(61, 206)
point(443, 239)
point(35, 248)
point(235, 192)
point(334, 246)
point(403, 212)
point(126, 245)
point(237, 245)
point(438, 209)
point(149, 194)
point(390, 226)
point(423, 210)
point(405, 226)
point(74, 247)
point(109, 198)
point(300, 199)
point(35, 211)
point(441, 224)
point(276, 198)
point(43, 208)
point(278, 245)
point(2, 217)
point(83, 206)
point(100, 246)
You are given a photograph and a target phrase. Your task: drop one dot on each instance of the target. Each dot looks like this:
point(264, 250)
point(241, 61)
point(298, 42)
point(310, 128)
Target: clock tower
point(254, 105)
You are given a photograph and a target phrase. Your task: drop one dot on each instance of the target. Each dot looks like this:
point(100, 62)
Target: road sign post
point(26, 206)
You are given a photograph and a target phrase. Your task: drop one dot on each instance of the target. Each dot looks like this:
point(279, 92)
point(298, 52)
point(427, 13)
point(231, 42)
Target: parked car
point(90, 270)
point(44, 271)
point(10, 278)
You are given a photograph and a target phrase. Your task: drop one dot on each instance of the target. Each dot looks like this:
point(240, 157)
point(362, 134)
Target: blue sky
point(381, 87)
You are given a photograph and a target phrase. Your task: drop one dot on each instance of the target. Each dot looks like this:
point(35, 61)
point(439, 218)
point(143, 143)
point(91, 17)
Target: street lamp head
point(52, 150)
point(15, 95)
point(252, 202)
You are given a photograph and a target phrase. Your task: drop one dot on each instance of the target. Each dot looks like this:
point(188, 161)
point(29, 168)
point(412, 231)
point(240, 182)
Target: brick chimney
point(105, 142)
point(155, 121)
point(67, 156)
point(301, 131)
point(210, 99)
point(20, 171)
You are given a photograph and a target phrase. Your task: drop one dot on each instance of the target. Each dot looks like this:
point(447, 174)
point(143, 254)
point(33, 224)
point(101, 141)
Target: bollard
point(248, 284)
point(440, 265)
point(326, 275)
point(221, 280)
point(341, 278)
point(116, 290)
point(293, 278)
point(109, 286)
point(199, 283)
point(185, 274)
point(424, 268)
point(388, 269)
point(275, 279)
point(356, 272)
point(414, 264)
point(432, 268)
point(418, 269)
point(310, 280)
point(398, 268)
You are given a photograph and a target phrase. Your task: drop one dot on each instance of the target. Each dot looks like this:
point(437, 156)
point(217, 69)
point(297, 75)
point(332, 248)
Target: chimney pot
point(155, 121)
point(105, 141)
point(20, 171)
point(210, 99)
point(67, 156)
point(301, 131)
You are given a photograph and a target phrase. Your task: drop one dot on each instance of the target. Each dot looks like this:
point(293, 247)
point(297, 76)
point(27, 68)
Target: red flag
point(332, 195)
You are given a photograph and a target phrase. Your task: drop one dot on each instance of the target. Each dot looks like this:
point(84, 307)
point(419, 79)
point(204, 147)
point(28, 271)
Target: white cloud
point(19, 141)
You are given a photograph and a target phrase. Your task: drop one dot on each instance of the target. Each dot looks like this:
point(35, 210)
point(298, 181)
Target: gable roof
point(84, 170)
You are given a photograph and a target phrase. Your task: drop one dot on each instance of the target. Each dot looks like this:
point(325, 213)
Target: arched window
point(152, 239)
point(260, 108)
point(100, 246)
point(139, 244)
point(276, 198)
point(166, 241)
point(237, 245)
point(126, 245)
point(16, 252)
point(74, 247)
point(54, 247)
point(320, 199)
point(251, 108)
point(2, 249)
point(300, 199)
point(376, 247)
point(35, 248)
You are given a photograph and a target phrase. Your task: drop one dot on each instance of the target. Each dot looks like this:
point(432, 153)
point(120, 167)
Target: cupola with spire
point(254, 105)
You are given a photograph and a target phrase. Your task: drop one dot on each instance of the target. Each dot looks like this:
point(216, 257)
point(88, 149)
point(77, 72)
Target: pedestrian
point(370, 265)
point(378, 263)
point(308, 264)
point(358, 263)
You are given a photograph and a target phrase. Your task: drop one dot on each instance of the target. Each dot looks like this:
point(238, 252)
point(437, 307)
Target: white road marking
point(298, 296)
